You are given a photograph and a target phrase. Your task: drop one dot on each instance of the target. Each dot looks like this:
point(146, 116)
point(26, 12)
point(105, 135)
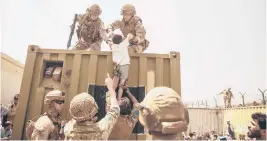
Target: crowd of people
point(7, 117)
point(256, 131)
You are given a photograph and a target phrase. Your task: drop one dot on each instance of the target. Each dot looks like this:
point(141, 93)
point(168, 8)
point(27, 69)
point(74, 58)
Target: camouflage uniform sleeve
point(133, 117)
point(107, 123)
point(140, 32)
point(42, 128)
point(103, 32)
point(135, 111)
point(114, 25)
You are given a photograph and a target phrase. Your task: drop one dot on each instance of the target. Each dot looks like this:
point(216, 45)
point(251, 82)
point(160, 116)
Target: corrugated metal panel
point(204, 120)
point(81, 68)
point(240, 117)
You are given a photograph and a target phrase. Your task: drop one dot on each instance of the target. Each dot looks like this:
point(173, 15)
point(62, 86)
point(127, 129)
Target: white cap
point(117, 32)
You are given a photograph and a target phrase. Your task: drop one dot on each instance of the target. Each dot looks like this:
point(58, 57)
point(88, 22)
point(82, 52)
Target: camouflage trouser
point(82, 45)
point(139, 48)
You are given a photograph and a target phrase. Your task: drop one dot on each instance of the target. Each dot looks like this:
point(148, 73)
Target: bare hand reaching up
point(109, 83)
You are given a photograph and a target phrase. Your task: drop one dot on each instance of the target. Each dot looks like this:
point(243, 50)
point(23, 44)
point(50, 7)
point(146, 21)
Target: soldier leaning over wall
point(131, 24)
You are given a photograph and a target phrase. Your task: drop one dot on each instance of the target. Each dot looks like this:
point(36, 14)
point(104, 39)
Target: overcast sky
point(222, 42)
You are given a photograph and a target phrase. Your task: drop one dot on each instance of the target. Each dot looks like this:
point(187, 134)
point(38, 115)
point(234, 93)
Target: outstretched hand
point(130, 36)
point(109, 82)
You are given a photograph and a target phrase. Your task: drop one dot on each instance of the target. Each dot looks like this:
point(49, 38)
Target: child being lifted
point(121, 59)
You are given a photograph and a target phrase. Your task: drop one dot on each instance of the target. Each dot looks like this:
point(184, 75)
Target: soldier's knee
point(131, 50)
point(139, 49)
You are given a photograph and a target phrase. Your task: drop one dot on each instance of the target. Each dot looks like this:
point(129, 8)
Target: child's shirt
point(120, 53)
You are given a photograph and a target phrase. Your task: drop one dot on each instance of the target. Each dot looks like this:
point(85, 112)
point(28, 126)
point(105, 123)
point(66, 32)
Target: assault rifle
point(72, 28)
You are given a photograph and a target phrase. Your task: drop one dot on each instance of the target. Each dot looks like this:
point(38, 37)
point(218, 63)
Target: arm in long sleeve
point(103, 33)
point(114, 25)
point(107, 123)
point(140, 32)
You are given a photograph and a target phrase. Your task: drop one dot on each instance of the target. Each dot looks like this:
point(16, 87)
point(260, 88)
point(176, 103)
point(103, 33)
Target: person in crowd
point(12, 108)
point(6, 131)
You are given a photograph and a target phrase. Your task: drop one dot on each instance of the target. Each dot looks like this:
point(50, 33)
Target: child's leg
point(123, 77)
point(120, 92)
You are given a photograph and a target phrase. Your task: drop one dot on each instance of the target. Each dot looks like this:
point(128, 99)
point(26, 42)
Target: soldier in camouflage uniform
point(131, 24)
point(48, 126)
point(91, 30)
point(160, 121)
point(83, 109)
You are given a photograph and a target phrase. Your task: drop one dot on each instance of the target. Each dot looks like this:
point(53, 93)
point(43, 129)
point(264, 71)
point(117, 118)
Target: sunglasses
point(59, 101)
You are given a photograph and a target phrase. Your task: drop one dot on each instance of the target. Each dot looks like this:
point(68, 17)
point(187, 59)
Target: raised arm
point(103, 33)
point(130, 95)
point(107, 123)
point(113, 26)
point(140, 32)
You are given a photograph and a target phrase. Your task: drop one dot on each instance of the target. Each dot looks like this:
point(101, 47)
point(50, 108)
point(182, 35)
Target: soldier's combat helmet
point(128, 9)
point(54, 95)
point(83, 107)
point(162, 101)
point(94, 10)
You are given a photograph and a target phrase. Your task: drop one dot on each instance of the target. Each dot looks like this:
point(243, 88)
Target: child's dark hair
point(191, 135)
point(117, 39)
point(125, 106)
point(255, 115)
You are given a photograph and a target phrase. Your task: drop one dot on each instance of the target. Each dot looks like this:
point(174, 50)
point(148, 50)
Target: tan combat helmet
point(54, 95)
point(83, 107)
point(94, 10)
point(162, 102)
point(128, 9)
